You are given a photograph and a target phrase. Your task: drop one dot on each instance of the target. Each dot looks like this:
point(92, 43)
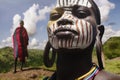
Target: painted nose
point(65, 22)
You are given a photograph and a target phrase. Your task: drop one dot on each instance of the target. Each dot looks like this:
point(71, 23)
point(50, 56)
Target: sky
point(35, 14)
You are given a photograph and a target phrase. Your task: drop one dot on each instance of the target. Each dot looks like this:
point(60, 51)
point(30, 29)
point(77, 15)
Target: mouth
point(65, 33)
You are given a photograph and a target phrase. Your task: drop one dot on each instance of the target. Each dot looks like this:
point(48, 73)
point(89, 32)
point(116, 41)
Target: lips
point(65, 33)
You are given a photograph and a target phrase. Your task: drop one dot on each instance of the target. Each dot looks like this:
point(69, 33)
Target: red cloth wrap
point(20, 42)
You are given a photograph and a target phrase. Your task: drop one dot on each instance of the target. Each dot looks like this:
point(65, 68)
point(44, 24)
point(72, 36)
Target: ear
point(101, 29)
point(99, 46)
point(46, 59)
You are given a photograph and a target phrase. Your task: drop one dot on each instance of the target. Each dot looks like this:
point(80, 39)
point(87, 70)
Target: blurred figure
point(20, 43)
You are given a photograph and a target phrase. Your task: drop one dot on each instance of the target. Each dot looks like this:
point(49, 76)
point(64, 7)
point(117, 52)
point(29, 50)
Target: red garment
point(20, 42)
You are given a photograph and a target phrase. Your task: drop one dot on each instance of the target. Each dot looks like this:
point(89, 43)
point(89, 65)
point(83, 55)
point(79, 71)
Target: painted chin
point(68, 39)
point(63, 39)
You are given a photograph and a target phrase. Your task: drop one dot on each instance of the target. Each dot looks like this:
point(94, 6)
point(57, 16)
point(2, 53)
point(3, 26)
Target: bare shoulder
point(103, 75)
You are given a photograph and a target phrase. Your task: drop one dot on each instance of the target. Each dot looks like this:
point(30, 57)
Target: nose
point(64, 22)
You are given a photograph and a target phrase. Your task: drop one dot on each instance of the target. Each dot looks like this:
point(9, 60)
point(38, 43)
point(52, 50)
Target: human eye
point(56, 13)
point(80, 12)
point(55, 16)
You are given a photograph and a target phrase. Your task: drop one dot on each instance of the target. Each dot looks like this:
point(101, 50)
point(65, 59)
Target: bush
point(6, 59)
point(112, 48)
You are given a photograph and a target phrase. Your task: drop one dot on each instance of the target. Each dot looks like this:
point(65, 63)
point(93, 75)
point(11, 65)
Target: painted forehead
point(67, 3)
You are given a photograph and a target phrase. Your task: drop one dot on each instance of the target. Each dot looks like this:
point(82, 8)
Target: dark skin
point(73, 63)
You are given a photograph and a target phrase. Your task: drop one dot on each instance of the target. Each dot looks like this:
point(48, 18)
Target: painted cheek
point(51, 27)
point(85, 34)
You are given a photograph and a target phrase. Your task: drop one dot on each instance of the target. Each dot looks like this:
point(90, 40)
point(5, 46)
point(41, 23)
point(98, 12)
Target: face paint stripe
point(62, 43)
point(63, 2)
point(71, 42)
point(53, 27)
point(90, 33)
point(81, 34)
point(52, 40)
point(68, 43)
point(87, 32)
point(78, 32)
point(70, 2)
point(89, 29)
point(59, 3)
point(65, 43)
point(78, 2)
point(82, 30)
point(75, 1)
point(49, 30)
point(77, 26)
point(87, 3)
point(66, 2)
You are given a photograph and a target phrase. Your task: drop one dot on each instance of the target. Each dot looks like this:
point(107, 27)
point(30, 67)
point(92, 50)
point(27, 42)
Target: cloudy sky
point(35, 13)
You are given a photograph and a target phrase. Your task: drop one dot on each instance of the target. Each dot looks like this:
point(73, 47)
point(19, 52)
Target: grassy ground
point(113, 65)
point(35, 67)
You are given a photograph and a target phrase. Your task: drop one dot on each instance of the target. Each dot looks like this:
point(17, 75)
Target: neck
point(73, 64)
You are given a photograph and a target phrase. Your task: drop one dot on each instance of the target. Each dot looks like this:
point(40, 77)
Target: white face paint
point(66, 3)
point(77, 35)
point(70, 30)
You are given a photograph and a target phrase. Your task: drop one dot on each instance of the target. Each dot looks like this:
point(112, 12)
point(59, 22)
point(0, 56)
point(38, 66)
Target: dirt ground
point(26, 74)
point(29, 74)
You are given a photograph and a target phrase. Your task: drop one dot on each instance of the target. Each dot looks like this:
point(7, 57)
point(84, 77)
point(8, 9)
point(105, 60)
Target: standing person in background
point(20, 43)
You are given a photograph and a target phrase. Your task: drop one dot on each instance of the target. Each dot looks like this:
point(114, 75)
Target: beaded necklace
point(88, 76)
